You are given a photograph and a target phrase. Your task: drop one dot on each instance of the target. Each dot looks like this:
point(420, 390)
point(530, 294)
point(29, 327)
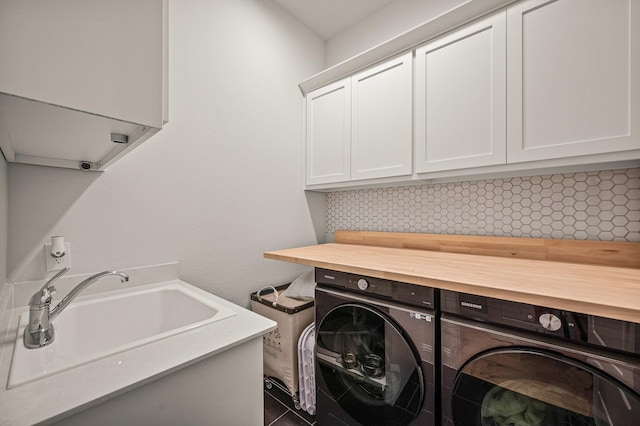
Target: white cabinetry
point(192, 395)
point(460, 92)
point(74, 72)
point(573, 78)
point(381, 108)
point(541, 85)
point(360, 127)
point(329, 133)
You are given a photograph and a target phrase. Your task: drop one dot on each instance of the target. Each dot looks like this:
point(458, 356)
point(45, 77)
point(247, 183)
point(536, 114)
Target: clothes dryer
point(507, 363)
point(375, 351)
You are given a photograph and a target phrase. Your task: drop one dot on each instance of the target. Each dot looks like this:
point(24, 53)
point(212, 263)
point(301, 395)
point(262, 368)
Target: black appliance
point(375, 351)
point(507, 363)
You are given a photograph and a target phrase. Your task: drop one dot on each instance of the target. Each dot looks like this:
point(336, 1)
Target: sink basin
point(97, 326)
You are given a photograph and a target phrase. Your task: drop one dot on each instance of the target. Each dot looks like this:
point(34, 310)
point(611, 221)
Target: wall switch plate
point(56, 264)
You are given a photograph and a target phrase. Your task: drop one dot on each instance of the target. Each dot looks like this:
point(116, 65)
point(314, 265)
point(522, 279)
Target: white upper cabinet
point(538, 85)
point(73, 72)
point(328, 134)
point(381, 108)
point(460, 98)
point(360, 127)
point(573, 78)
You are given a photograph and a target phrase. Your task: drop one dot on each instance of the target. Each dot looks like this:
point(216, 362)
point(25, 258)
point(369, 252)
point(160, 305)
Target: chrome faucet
point(40, 332)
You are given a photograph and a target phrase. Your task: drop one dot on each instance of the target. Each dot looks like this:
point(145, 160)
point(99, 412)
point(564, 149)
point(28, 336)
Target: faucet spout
point(39, 332)
point(53, 313)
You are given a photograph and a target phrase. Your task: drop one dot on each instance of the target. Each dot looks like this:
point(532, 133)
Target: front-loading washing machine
point(516, 364)
point(375, 359)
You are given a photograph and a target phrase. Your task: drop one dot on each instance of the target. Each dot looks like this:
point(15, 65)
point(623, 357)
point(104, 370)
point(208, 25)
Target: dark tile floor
point(279, 410)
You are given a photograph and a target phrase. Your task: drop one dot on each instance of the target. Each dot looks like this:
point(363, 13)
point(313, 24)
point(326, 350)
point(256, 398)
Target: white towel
point(303, 287)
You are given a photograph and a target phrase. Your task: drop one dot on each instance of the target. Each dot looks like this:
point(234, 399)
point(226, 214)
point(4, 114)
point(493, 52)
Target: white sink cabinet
point(74, 72)
point(225, 389)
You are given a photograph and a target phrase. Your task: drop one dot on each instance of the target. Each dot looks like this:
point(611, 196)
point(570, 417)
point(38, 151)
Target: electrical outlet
point(56, 264)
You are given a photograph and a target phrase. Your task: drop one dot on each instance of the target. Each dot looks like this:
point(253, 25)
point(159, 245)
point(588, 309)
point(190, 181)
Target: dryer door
point(367, 367)
point(526, 386)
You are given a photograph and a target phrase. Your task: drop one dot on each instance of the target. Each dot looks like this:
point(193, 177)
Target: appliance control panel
point(411, 294)
point(523, 316)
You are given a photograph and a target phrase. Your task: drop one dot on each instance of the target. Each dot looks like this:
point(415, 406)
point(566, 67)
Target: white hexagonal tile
point(619, 178)
point(593, 179)
point(620, 232)
point(578, 206)
point(619, 200)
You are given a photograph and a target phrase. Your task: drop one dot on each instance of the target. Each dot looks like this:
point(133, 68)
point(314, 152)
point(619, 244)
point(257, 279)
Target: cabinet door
point(381, 113)
point(460, 98)
point(573, 75)
point(102, 57)
point(328, 135)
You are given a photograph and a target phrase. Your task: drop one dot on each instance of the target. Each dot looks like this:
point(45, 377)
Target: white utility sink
point(95, 327)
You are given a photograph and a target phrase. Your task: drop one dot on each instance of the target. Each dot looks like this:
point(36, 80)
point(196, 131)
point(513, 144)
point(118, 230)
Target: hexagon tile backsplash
point(602, 205)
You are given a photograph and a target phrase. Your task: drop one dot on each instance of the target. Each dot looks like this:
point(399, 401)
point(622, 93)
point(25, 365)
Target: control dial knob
point(363, 284)
point(550, 322)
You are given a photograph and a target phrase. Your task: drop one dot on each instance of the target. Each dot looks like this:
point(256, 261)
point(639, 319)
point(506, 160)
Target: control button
point(550, 322)
point(363, 284)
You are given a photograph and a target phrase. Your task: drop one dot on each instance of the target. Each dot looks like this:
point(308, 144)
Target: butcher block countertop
point(513, 270)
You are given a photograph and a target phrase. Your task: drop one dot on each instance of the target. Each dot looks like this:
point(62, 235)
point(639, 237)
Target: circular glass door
point(368, 366)
point(526, 387)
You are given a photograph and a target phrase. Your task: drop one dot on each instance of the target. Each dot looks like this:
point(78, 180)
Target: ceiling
point(327, 18)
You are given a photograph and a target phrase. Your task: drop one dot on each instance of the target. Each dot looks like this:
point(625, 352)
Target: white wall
point(218, 186)
point(4, 211)
point(390, 21)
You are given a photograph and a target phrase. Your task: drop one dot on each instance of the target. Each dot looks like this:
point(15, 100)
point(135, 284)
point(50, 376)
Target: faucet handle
point(43, 296)
point(49, 283)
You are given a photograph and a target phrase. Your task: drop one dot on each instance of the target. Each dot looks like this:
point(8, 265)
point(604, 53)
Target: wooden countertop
point(606, 291)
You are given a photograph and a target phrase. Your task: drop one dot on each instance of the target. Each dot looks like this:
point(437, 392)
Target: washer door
point(367, 366)
point(529, 387)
